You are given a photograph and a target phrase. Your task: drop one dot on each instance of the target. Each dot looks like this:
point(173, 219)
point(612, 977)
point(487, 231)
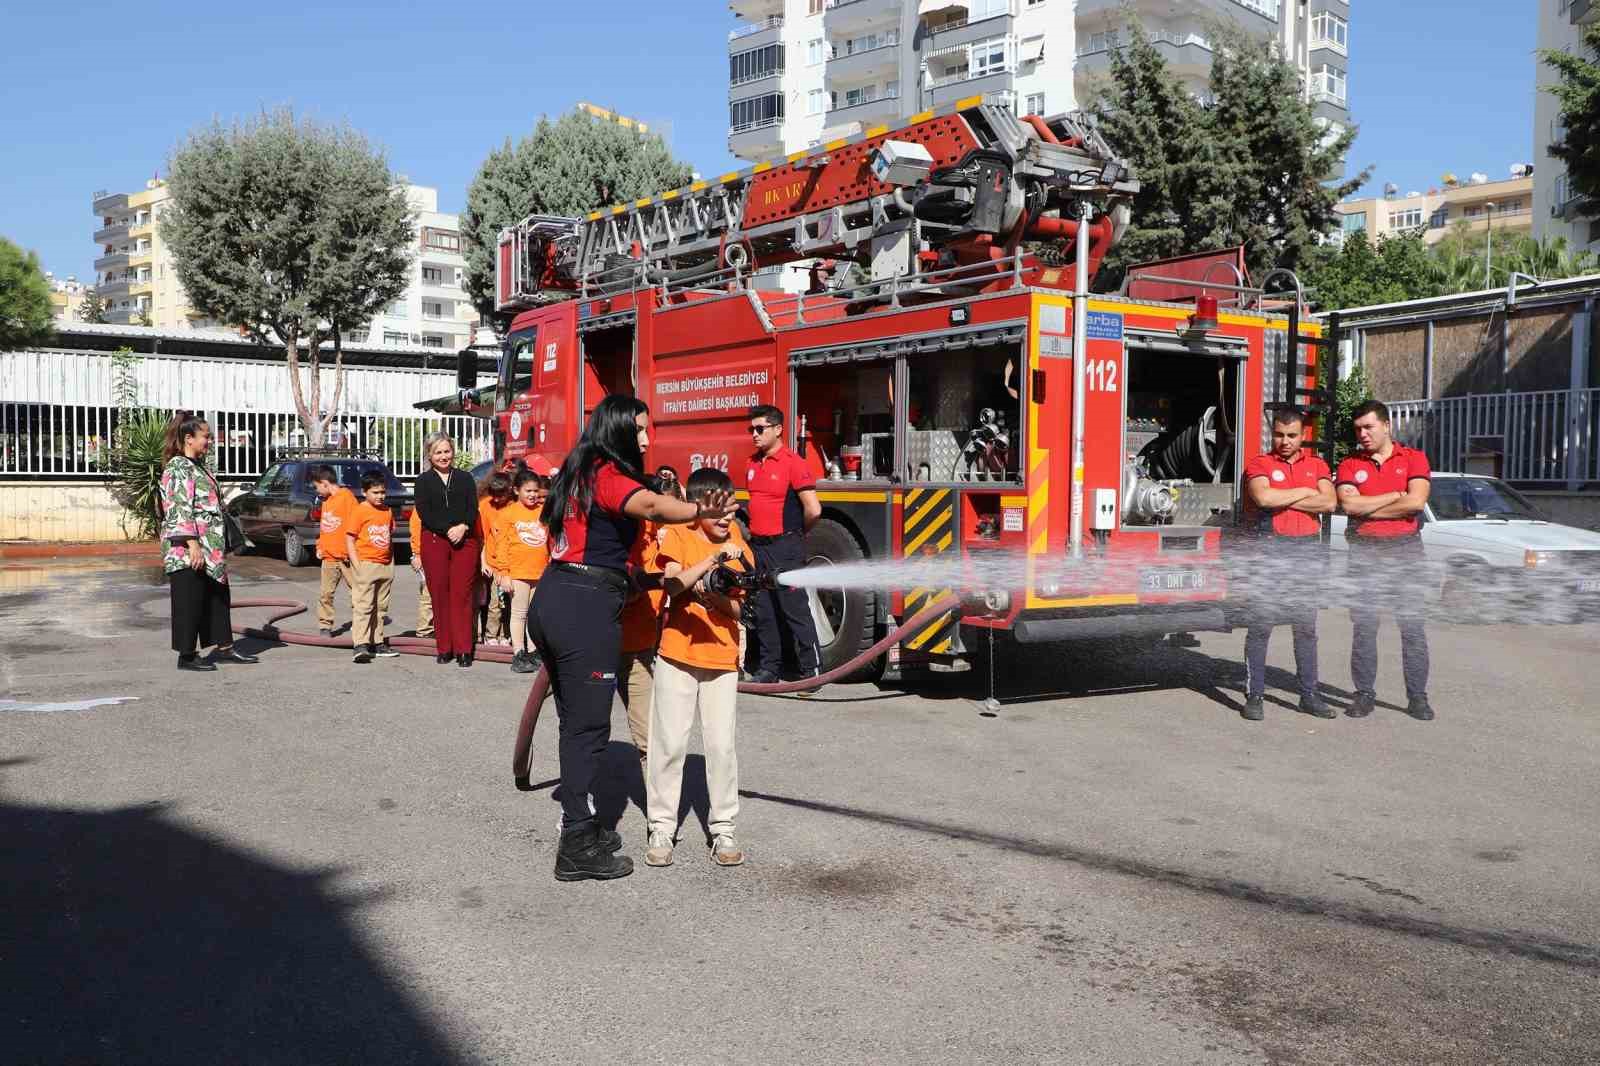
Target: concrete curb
point(28, 549)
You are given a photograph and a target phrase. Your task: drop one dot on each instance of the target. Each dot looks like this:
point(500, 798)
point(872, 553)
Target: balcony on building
point(872, 56)
point(865, 105)
point(843, 18)
point(113, 261)
point(1259, 17)
point(117, 231)
point(1583, 12)
point(1188, 54)
point(752, 11)
point(107, 204)
point(757, 139)
point(748, 35)
point(945, 24)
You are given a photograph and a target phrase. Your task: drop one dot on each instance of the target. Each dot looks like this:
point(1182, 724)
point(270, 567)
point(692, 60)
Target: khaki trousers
point(424, 607)
point(521, 597)
point(495, 612)
point(636, 682)
point(334, 571)
point(679, 692)
point(369, 596)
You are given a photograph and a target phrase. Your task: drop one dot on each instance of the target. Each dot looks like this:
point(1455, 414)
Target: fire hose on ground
point(522, 752)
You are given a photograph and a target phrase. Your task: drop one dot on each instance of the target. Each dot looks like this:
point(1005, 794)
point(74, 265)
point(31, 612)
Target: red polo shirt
point(1308, 471)
point(775, 482)
point(1372, 478)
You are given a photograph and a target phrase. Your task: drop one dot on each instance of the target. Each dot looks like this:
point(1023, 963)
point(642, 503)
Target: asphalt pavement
point(308, 860)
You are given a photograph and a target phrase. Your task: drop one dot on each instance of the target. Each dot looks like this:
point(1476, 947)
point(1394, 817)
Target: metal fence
point(59, 417)
point(1549, 437)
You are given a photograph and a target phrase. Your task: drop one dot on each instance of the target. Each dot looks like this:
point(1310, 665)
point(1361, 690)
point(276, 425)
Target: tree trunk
point(308, 420)
point(338, 376)
point(317, 418)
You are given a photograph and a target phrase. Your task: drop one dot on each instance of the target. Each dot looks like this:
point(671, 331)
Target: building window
point(1562, 193)
point(1354, 223)
point(357, 336)
point(814, 7)
point(432, 340)
point(755, 64)
point(816, 101)
point(984, 9)
point(988, 57)
point(1328, 83)
point(866, 43)
point(1405, 218)
point(433, 308)
point(816, 51)
point(1330, 31)
point(755, 112)
point(432, 275)
point(1440, 218)
point(1034, 104)
point(397, 309)
point(443, 240)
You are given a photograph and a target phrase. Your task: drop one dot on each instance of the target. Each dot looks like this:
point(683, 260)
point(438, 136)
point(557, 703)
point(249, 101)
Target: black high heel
point(464, 659)
point(441, 659)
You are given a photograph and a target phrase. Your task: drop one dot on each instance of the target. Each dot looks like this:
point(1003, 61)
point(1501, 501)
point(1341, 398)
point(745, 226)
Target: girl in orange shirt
point(526, 554)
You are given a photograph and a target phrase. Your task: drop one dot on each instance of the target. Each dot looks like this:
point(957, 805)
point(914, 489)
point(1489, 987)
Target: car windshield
point(351, 473)
point(1478, 497)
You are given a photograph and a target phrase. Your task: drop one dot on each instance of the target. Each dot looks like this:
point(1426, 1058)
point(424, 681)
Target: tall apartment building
point(1561, 25)
point(66, 298)
point(435, 311)
point(134, 272)
point(136, 277)
point(805, 71)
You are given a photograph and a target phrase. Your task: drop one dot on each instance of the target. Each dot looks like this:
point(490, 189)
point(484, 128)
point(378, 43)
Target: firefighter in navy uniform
point(1383, 489)
point(783, 506)
point(1286, 490)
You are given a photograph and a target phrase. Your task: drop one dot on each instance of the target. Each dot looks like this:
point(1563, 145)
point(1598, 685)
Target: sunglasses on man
point(759, 428)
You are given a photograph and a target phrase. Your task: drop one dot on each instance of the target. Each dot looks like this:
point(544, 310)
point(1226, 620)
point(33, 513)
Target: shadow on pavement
point(127, 937)
point(1508, 942)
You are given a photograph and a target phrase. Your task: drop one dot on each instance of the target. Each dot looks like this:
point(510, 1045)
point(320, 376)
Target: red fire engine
point(946, 373)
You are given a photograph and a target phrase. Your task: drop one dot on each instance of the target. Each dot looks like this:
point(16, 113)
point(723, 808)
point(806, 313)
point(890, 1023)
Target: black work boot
point(1361, 705)
point(1314, 704)
point(1253, 709)
point(610, 840)
point(582, 855)
point(1419, 708)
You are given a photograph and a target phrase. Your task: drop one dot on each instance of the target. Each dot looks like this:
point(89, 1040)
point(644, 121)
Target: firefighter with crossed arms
point(1287, 490)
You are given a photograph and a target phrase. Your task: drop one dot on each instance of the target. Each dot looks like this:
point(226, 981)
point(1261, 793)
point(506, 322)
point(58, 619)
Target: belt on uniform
point(773, 539)
point(613, 577)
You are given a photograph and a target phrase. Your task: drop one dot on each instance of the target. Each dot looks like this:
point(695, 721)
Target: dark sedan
point(282, 507)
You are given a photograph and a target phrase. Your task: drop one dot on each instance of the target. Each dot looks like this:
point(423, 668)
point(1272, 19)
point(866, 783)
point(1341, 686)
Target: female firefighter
point(596, 503)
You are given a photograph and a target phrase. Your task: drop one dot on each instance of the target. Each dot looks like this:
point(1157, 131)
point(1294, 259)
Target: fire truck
point(946, 372)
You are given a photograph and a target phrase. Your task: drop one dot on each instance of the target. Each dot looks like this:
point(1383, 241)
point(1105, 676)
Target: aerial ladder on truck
point(952, 195)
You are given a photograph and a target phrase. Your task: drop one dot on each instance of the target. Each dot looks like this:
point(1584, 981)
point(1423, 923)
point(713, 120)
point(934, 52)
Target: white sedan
point(1501, 558)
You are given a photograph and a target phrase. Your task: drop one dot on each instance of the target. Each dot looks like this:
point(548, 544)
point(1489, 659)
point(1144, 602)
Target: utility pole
point(1488, 242)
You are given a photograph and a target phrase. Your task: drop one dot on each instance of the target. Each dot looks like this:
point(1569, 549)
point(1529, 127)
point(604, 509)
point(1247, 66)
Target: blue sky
point(96, 95)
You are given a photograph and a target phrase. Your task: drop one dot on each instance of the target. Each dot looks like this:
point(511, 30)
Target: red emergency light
point(1204, 319)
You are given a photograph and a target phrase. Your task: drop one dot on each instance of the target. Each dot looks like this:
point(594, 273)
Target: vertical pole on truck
point(1080, 326)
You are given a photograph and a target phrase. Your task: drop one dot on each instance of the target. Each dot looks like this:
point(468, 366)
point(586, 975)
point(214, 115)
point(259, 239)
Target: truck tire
point(295, 552)
point(851, 614)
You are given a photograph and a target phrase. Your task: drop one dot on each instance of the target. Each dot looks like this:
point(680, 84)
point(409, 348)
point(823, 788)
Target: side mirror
point(467, 369)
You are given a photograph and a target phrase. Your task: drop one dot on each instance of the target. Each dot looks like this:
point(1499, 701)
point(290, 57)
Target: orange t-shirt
point(525, 543)
point(373, 528)
point(697, 634)
point(336, 512)
point(641, 615)
point(490, 518)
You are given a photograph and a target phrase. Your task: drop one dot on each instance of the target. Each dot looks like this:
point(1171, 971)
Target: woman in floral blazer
point(195, 535)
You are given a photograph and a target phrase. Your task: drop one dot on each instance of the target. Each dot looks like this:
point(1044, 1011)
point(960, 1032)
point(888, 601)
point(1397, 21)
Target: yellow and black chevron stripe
point(929, 527)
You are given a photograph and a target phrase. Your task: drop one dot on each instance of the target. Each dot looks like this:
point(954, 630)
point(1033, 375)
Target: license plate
point(1589, 584)
point(1187, 580)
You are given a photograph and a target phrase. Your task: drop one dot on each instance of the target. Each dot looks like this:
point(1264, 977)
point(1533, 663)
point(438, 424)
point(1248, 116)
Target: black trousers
point(575, 621)
point(1389, 574)
point(783, 615)
point(200, 611)
point(1285, 586)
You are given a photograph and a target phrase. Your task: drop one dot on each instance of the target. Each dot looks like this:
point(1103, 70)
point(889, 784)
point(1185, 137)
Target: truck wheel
point(294, 549)
point(845, 618)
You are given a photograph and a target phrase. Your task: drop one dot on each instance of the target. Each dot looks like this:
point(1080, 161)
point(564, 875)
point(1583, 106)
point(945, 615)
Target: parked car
point(283, 506)
point(1500, 556)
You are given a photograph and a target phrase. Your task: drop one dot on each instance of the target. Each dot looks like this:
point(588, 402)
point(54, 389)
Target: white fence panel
point(1542, 437)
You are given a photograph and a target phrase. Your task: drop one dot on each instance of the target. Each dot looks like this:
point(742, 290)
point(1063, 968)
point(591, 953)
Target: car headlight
point(1532, 559)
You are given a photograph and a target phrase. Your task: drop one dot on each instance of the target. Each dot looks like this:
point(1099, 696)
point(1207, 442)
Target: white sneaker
point(659, 852)
point(725, 851)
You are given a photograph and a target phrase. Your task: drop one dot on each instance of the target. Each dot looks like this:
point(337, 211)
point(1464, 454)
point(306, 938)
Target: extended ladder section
point(951, 189)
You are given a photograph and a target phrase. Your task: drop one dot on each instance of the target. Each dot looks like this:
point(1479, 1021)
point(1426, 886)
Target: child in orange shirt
point(368, 538)
point(493, 498)
point(526, 554)
point(641, 629)
point(424, 600)
point(337, 504)
point(697, 666)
